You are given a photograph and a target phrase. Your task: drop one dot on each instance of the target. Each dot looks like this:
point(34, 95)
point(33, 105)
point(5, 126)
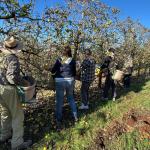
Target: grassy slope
point(81, 135)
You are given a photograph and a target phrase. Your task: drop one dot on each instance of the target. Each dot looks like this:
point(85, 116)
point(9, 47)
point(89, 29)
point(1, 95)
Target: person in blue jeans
point(64, 71)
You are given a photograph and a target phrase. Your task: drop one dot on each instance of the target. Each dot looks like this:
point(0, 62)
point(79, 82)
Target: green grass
point(80, 136)
point(130, 141)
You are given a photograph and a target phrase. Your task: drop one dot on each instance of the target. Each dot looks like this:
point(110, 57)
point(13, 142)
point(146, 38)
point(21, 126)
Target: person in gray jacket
point(11, 112)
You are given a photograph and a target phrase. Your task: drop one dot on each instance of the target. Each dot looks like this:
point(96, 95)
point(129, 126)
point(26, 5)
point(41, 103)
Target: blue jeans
point(62, 86)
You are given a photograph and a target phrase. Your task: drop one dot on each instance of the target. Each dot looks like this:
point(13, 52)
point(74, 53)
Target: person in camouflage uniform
point(11, 113)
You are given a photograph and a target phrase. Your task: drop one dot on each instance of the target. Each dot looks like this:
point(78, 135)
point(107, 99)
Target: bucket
point(118, 76)
point(27, 90)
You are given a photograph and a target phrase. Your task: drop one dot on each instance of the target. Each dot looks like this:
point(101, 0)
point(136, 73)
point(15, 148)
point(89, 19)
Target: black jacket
point(64, 70)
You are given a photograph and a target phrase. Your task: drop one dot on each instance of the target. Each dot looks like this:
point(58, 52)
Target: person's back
point(64, 68)
point(88, 70)
point(10, 71)
point(87, 77)
point(64, 71)
point(108, 69)
point(12, 116)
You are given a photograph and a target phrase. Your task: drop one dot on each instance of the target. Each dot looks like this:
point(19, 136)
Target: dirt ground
point(133, 120)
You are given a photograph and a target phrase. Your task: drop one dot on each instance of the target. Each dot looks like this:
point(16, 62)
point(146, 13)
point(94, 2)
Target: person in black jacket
point(64, 71)
point(108, 68)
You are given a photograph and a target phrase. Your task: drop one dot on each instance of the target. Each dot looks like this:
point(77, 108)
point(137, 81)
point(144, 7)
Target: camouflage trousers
point(11, 115)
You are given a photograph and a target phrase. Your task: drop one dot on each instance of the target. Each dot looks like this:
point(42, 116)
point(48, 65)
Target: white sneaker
point(75, 116)
point(84, 106)
point(114, 99)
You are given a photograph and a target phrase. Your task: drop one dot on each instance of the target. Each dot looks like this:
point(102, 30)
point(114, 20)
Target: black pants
point(85, 92)
point(127, 80)
point(109, 83)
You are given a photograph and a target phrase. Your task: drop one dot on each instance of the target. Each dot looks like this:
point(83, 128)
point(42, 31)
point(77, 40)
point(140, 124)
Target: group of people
point(108, 69)
point(64, 73)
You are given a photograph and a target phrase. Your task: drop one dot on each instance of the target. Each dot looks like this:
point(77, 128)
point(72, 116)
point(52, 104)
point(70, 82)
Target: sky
point(136, 9)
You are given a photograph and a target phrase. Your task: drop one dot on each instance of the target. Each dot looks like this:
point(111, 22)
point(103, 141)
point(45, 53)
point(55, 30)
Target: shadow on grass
point(137, 85)
point(41, 120)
